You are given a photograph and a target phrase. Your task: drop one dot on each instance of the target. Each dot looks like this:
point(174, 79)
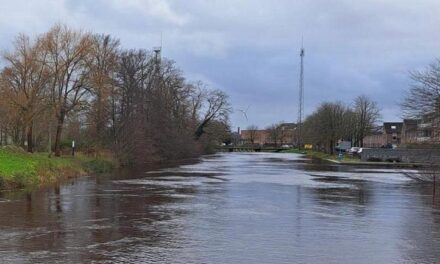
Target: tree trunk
point(331, 147)
point(49, 140)
point(99, 119)
point(199, 132)
point(30, 141)
point(58, 136)
point(23, 136)
point(5, 136)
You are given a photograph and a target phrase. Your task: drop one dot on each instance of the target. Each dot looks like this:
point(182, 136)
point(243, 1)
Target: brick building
point(284, 134)
point(393, 132)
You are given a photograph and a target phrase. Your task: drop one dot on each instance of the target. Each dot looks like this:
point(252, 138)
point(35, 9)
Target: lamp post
point(73, 148)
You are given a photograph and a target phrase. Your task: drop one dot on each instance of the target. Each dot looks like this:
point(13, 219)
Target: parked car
point(360, 150)
point(353, 150)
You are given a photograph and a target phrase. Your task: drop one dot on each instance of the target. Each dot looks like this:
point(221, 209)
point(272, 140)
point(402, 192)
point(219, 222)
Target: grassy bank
point(353, 161)
point(19, 169)
point(322, 155)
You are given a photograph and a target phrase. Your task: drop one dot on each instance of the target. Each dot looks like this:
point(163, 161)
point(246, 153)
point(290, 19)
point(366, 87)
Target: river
point(226, 208)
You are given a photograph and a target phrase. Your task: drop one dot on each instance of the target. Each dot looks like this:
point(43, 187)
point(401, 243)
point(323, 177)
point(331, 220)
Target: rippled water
point(228, 208)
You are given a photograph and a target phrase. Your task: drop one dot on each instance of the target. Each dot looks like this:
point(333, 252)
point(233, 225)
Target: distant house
point(415, 131)
point(288, 126)
point(289, 133)
point(388, 134)
point(258, 137)
point(410, 131)
point(435, 134)
point(393, 132)
point(376, 139)
point(285, 135)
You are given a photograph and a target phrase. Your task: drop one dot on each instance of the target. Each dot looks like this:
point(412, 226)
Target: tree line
point(67, 84)
point(329, 123)
point(276, 134)
point(333, 121)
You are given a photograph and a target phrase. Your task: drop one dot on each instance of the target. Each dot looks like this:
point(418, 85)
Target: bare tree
point(423, 96)
point(24, 80)
point(130, 106)
point(422, 100)
point(103, 67)
point(69, 58)
point(216, 107)
point(327, 125)
point(366, 115)
point(132, 102)
point(274, 134)
point(157, 112)
point(198, 91)
point(253, 132)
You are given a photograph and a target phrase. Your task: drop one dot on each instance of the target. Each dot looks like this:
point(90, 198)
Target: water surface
point(227, 208)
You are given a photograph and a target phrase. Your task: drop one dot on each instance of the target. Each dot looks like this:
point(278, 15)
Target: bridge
point(249, 149)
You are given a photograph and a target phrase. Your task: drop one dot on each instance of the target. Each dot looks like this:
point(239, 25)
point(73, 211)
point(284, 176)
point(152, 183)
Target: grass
point(294, 150)
point(19, 169)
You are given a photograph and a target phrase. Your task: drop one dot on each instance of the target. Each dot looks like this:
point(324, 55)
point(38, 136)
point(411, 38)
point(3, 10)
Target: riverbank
point(350, 160)
point(322, 155)
point(19, 169)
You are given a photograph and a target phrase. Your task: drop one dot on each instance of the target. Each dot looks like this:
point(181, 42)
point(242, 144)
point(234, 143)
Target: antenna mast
point(301, 98)
point(158, 54)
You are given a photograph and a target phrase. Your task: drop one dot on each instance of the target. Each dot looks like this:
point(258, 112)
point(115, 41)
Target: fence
point(402, 155)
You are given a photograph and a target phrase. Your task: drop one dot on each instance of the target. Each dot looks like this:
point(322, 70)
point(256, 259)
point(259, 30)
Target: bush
point(13, 149)
point(99, 166)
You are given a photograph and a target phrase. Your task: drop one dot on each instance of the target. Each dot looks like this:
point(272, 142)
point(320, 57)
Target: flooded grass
point(323, 155)
point(19, 169)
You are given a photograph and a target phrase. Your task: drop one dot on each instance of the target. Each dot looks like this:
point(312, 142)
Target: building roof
point(411, 124)
point(288, 125)
point(411, 121)
point(378, 130)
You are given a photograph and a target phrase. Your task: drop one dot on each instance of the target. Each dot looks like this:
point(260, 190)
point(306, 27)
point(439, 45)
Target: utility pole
point(301, 99)
point(157, 66)
point(157, 60)
point(158, 53)
point(157, 56)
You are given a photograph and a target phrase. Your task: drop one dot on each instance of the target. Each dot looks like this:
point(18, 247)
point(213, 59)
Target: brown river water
point(227, 208)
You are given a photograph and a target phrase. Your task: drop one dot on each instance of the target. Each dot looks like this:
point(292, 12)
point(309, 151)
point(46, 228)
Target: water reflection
point(228, 208)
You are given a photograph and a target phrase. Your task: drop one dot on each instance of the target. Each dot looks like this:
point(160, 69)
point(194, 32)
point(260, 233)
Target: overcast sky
point(250, 48)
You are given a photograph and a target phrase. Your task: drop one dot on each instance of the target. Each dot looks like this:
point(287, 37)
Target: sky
point(250, 48)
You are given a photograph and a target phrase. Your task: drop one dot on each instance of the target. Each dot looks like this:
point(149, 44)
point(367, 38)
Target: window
point(393, 127)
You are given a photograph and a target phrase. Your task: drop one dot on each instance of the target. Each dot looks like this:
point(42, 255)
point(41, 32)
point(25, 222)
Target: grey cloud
point(250, 48)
